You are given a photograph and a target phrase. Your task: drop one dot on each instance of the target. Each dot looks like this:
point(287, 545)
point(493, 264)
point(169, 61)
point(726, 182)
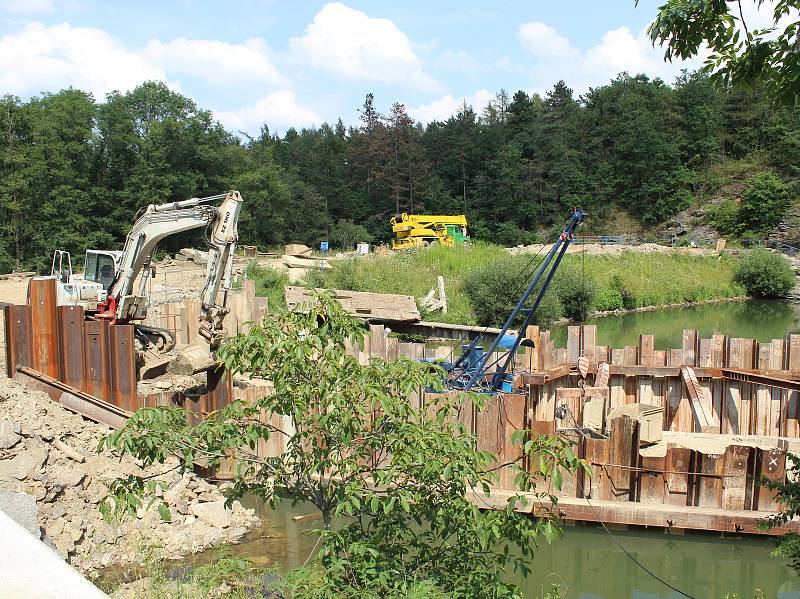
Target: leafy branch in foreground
point(788, 495)
point(740, 54)
point(399, 488)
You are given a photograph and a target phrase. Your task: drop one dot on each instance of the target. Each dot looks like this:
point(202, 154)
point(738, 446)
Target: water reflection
point(758, 319)
point(586, 561)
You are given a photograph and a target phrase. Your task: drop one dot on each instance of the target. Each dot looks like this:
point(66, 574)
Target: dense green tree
point(74, 171)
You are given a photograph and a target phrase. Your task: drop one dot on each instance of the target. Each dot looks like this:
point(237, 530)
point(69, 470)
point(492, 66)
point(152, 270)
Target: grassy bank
point(628, 280)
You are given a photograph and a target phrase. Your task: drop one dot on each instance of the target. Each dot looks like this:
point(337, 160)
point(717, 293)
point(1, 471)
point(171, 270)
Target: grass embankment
point(628, 280)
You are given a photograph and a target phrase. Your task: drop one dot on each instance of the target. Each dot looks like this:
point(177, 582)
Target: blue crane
point(471, 370)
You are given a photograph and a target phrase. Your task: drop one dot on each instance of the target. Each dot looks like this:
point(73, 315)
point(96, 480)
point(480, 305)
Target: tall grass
point(627, 280)
point(270, 283)
point(414, 272)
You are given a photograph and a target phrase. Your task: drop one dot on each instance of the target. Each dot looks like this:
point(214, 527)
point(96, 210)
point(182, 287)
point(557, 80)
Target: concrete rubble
point(69, 483)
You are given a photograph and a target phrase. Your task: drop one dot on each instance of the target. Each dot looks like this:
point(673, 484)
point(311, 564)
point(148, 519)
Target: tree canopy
point(74, 170)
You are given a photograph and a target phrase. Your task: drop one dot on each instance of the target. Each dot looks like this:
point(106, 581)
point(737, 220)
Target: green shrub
point(577, 294)
point(724, 217)
point(494, 290)
point(763, 203)
point(765, 274)
point(608, 298)
point(345, 234)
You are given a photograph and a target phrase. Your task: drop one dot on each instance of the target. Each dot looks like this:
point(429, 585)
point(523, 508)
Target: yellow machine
point(419, 230)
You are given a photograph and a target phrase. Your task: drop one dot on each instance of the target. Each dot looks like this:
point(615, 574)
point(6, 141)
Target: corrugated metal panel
point(71, 347)
point(44, 322)
point(97, 364)
point(123, 366)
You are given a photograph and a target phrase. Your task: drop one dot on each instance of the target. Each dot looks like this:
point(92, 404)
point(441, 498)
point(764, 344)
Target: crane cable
point(580, 482)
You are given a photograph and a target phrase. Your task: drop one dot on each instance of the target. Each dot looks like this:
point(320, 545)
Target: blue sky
point(301, 63)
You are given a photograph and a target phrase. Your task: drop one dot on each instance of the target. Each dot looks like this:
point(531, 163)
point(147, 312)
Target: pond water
point(758, 319)
point(585, 561)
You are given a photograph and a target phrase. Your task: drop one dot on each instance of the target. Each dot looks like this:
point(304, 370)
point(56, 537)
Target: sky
point(304, 62)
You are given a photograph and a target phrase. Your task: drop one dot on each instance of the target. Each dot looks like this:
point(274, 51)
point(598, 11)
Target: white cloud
point(215, 61)
point(349, 43)
point(41, 58)
point(27, 7)
point(279, 110)
point(447, 105)
point(543, 41)
point(554, 57)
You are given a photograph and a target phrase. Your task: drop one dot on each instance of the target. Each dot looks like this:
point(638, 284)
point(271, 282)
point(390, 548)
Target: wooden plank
point(735, 353)
point(377, 341)
point(573, 344)
point(545, 362)
point(793, 350)
point(601, 353)
point(617, 356)
point(598, 453)
point(392, 348)
point(771, 464)
point(677, 479)
point(532, 353)
point(646, 349)
point(589, 341)
point(704, 358)
point(700, 401)
point(675, 357)
point(689, 347)
point(683, 518)
point(748, 353)
point(652, 482)
point(624, 439)
point(734, 485)
point(708, 483)
point(631, 355)
point(376, 306)
point(777, 361)
point(659, 357)
point(718, 351)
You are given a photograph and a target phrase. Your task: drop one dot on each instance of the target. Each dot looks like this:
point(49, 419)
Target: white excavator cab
point(91, 289)
point(101, 267)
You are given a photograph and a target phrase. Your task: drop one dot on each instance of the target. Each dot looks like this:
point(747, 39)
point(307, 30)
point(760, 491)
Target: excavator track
point(163, 340)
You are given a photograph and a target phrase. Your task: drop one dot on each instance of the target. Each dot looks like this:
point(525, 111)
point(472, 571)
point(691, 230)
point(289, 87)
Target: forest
point(74, 170)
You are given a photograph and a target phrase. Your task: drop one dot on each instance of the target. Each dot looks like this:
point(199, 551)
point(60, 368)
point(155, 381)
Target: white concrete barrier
point(29, 569)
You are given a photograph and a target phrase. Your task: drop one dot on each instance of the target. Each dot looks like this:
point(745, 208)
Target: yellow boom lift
point(420, 230)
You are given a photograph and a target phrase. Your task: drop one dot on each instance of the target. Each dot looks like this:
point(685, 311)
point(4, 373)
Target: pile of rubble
point(50, 453)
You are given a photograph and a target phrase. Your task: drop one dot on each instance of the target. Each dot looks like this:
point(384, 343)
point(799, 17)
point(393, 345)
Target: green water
point(758, 319)
point(585, 561)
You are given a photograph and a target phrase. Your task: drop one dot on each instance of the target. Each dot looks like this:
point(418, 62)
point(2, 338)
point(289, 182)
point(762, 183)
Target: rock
point(213, 513)
point(9, 434)
point(181, 258)
point(187, 253)
point(21, 508)
point(24, 464)
point(70, 476)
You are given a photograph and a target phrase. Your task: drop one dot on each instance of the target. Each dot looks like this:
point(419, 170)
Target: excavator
point(114, 285)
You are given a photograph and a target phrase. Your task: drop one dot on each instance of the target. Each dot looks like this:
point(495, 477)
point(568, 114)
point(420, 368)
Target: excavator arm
point(128, 302)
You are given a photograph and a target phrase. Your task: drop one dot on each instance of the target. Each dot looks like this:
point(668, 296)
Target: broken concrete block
point(21, 508)
point(213, 513)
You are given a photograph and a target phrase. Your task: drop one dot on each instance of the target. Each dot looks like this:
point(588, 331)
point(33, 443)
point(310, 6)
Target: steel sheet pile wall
point(56, 342)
